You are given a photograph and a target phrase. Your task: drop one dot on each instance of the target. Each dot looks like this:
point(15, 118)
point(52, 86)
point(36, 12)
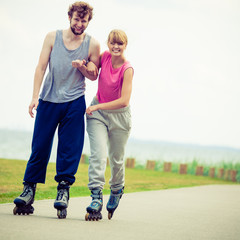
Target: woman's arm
point(121, 102)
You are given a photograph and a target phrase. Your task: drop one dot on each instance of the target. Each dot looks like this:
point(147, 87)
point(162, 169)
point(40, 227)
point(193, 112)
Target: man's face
point(77, 24)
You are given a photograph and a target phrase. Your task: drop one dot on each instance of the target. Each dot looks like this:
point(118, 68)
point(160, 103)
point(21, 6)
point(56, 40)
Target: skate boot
point(25, 200)
point(61, 202)
point(95, 208)
point(113, 201)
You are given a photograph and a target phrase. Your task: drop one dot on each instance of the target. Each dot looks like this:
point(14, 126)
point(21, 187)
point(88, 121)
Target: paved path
point(197, 213)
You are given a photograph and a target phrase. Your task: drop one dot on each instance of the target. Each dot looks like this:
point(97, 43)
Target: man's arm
point(94, 54)
point(41, 69)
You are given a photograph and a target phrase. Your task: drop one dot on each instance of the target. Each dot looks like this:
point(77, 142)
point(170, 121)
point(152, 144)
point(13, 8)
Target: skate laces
point(61, 194)
point(96, 195)
point(96, 198)
point(115, 196)
point(112, 200)
point(26, 190)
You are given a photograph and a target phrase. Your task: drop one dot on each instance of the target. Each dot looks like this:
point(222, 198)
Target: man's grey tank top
point(63, 82)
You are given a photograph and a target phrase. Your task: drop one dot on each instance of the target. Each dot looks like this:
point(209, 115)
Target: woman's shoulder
point(127, 65)
point(105, 55)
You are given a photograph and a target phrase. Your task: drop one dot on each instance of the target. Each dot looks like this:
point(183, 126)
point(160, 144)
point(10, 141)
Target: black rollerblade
point(25, 200)
point(61, 202)
point(113, 201)
point(95, 208)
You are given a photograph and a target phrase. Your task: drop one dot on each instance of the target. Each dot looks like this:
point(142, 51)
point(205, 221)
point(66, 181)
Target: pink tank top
point(110, 79)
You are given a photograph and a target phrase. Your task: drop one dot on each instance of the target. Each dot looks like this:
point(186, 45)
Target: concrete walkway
point(205, 212)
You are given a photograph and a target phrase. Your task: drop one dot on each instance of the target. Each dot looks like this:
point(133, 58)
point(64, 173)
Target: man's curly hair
point(82, 10)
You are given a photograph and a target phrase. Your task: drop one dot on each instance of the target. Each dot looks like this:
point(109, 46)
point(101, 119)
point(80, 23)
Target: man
point(61, 104)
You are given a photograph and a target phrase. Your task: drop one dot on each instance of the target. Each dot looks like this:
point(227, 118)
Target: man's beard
point(77, 33)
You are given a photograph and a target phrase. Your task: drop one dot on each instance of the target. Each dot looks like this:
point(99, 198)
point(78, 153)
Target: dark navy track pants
point(69, 118)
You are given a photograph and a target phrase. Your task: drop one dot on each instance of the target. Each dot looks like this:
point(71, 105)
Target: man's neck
point(72, 41)
point(73, 37)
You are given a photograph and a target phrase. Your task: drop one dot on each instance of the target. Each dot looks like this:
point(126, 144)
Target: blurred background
point(185, 100)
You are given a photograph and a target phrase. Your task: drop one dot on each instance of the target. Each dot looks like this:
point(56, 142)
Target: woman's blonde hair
point(118, 36)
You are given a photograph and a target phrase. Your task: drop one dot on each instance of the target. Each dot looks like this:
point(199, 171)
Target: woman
point(109, 125)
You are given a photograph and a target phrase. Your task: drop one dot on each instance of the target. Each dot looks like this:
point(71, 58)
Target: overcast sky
point(185, 55)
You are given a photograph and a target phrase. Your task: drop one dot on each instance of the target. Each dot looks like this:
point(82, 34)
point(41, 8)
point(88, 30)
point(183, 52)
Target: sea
point(16, 144)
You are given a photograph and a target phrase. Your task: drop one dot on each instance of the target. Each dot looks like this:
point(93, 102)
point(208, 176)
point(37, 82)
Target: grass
point(136, 180)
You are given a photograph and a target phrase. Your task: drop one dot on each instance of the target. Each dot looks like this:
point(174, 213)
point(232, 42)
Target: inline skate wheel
point(93, 216)
point(110, 215)
point(86, 216)
point(23, 210)
point(15, 210)
point(62, 213)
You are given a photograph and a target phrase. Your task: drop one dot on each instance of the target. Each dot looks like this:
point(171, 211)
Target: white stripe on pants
point(108, 130)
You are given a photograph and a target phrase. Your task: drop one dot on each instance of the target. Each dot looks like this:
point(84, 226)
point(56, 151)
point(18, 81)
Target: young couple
point(73, 55)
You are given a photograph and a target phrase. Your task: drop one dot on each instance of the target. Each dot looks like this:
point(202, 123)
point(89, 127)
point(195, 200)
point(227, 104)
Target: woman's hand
point(91, 109)
point(92, 69)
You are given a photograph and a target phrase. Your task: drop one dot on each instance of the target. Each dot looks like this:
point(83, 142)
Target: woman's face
point(116, 48)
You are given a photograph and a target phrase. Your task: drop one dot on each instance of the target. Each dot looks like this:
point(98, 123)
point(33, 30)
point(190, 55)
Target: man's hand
point(33, 105)
point(79, 63)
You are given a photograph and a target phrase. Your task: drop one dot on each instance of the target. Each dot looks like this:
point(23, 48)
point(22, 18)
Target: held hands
point(33, 105)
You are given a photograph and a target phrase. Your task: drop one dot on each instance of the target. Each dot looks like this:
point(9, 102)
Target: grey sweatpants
point(108, 132)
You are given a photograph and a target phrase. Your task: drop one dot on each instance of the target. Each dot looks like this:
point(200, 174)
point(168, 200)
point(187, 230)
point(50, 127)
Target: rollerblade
point(25, 200)
point(113, 201)
point(61, 202)
point(95, 208)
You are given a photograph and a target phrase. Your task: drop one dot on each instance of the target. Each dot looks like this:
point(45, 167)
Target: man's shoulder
point(51, 34)
point(50, 37)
